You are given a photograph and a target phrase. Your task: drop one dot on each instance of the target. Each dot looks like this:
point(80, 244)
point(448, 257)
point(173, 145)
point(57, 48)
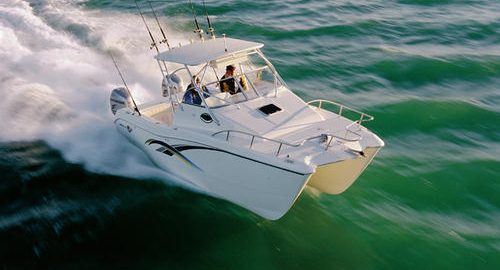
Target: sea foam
point(56, 77)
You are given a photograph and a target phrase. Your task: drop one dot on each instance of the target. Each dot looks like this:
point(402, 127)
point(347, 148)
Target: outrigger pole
point(210, 28)
point(198, 30)
point(125, 84)
point(165, 40)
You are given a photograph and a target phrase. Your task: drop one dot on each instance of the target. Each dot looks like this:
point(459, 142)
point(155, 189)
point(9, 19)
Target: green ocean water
point(428, 70)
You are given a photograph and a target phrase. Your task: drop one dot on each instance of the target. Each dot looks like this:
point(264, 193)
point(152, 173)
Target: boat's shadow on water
point(57, 215)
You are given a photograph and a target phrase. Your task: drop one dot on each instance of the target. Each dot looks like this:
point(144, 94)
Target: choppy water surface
point(74, 194)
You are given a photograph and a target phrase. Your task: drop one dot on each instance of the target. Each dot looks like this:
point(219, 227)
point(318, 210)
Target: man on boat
point(228, 84)
point(191, 96)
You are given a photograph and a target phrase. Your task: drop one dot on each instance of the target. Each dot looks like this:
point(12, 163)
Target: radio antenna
point(210, 28)
point(125, 84)
point(165, 40)
point(153, 44)
point(198, 30)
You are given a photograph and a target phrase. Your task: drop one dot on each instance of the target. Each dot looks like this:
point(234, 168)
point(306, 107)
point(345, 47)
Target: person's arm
point(243, 82)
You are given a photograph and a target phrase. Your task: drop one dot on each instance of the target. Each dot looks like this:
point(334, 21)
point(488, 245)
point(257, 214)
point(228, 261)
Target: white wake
point(56, 77)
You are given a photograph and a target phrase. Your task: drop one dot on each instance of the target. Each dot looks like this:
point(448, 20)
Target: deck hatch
point(269, 109)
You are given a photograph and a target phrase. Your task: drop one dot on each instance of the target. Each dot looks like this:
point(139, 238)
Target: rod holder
point(200, 34)
point(211, 31)
point(225, 44)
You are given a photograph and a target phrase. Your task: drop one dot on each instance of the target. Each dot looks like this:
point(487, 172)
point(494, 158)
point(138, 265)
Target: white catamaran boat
point(257, 145)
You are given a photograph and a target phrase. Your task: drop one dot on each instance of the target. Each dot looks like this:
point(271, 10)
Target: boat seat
point(160, 112)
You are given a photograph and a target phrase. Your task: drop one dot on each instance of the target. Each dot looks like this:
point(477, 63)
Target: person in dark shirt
point(228, 84)
point(191, 96)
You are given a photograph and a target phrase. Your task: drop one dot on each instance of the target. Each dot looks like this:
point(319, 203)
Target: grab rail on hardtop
point(328, 137)
point(363, 117)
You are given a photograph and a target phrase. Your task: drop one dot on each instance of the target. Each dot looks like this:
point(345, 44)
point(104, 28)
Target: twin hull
point(266, 188)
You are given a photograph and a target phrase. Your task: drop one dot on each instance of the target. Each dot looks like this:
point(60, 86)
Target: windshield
point(236, 79)
point(226, 81)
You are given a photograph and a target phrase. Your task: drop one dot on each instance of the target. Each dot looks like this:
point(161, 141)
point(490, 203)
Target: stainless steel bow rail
point(363, 117)
point(329, 137)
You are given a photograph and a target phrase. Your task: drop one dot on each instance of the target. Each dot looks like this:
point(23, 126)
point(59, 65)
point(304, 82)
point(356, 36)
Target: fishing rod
point(153, 44)
point(198, 30)
point(165, 40)
point(124, 83)
point(210, 28)
point(163, 69)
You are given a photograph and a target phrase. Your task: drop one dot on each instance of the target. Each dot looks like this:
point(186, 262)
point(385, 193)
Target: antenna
point(124, 83)
point(153, 45)
point(159, 26)
point(210, 28)
point(198, 30)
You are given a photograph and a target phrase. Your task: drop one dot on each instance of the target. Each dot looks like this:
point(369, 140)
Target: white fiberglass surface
point(202, 52)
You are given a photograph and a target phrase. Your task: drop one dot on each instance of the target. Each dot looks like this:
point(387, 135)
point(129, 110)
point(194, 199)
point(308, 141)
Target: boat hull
point(266, 189)
point(335, 178)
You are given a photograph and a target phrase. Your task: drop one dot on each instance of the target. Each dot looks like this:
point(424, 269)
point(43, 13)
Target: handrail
point(253, 136)
point(281, 143)
point(342, 107)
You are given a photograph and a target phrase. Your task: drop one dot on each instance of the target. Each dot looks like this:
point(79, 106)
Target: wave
point(57, 76)
point(430, 116)
point(417, 70)
point(438, 2)
point(423, 137)
point(376, 24)
point(476, 233)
